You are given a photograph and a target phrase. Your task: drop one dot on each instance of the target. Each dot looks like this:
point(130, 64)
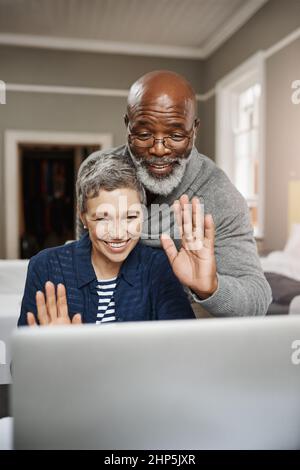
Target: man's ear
point(126, 120)
point(196, 129)
point(197, 124)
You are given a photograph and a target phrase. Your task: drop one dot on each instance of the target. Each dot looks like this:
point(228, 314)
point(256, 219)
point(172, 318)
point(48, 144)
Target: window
point(240, 135)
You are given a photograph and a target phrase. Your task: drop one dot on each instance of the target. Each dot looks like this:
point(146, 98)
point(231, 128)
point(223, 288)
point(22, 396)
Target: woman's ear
point(82, 218)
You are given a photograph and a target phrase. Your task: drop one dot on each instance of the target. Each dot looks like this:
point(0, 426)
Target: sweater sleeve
point(242, 287)
point(169, 298)
point(35, 281)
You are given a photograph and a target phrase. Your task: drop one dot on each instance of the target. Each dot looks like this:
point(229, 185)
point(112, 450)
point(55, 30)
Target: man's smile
point(161, 168)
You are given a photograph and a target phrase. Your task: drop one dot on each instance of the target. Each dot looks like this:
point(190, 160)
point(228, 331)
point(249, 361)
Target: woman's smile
point(117, 246)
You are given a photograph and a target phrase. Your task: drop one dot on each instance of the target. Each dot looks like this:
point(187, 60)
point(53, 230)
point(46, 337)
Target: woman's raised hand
point(54, 309)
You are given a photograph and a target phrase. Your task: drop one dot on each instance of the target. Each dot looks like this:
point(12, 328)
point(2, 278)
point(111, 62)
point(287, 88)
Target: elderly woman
point(108, 275)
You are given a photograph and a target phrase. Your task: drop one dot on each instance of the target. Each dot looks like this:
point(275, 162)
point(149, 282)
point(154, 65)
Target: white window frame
point(253, 70)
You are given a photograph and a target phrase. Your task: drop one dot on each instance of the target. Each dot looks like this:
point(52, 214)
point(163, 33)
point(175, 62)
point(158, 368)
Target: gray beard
point(161, 185)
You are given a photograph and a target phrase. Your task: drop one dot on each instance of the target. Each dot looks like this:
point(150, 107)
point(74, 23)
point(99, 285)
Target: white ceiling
point(177, 28)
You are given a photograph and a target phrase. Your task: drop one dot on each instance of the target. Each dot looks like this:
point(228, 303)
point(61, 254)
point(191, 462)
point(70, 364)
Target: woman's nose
point(117, 230)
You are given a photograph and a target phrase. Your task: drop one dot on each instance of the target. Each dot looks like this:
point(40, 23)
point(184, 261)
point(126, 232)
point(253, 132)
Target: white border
point(11, 164)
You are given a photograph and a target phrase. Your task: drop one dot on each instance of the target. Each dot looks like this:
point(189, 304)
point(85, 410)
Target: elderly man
point(220, 269)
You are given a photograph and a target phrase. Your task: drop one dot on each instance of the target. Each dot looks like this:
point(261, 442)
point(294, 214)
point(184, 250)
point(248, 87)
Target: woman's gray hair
point(107, 172)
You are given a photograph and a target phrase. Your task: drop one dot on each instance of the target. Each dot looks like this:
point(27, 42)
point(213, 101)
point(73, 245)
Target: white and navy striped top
point(106, 303)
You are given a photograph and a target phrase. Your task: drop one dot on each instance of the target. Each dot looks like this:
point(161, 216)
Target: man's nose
point(158, 149)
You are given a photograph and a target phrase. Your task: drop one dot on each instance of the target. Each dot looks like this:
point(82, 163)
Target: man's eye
point(131, 217)
point(177, 137)
point(144, 136)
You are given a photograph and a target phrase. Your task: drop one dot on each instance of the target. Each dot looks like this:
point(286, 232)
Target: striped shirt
point(106, 303)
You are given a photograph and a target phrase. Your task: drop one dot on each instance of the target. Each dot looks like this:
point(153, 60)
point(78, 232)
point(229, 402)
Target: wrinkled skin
point(162, 103)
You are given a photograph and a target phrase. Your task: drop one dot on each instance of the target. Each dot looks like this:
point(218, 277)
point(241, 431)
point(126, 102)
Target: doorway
point(48, 199)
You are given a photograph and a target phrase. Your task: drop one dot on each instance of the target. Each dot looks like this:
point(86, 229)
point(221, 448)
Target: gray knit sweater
point(242, 289)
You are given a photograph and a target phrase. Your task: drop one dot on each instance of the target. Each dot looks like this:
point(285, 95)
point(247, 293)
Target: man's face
point(161, 167)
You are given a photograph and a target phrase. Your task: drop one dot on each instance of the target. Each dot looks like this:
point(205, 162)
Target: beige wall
point(275, 20)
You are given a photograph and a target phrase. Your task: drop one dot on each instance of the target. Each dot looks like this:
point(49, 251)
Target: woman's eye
point(131, 217)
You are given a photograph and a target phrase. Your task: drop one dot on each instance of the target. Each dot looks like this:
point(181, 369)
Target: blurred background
point(68, 64)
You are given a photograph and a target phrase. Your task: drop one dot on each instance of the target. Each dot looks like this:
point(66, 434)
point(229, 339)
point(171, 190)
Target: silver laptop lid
point(195, 384)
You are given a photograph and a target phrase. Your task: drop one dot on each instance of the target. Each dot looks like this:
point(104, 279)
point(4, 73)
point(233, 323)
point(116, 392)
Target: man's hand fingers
point(76, 320)
point(62, 306)
point(187, 218)
point(209, 231)
point(178, 216)
point(31, 319)
point(197, 219)
point(169, 247)
point(51, 300)
point(41, 308)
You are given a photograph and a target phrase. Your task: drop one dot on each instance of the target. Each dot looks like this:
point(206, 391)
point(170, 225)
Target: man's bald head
point(163, 88)
point(161, 126)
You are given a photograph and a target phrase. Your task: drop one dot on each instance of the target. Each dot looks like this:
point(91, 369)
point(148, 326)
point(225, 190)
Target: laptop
point(190, 384)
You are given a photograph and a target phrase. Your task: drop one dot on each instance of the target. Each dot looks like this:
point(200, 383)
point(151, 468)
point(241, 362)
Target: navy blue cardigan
point(147, 288)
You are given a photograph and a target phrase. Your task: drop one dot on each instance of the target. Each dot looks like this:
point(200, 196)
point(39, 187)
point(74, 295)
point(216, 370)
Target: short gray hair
point(109, 172)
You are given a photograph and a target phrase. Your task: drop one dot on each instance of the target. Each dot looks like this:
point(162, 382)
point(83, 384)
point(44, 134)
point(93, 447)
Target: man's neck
point(150, 197)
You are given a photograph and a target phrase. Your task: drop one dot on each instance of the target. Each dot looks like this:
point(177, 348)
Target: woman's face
point(114, 220)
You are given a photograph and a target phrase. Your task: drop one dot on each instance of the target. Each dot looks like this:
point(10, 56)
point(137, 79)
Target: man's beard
point(162, 185)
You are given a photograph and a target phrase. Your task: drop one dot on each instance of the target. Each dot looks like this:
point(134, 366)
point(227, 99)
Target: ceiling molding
point(71, 90)
point(140, 49)
point(91, 45)
point(278, 46)
point(66, 90)
point(232, 26)
point(206, 96)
